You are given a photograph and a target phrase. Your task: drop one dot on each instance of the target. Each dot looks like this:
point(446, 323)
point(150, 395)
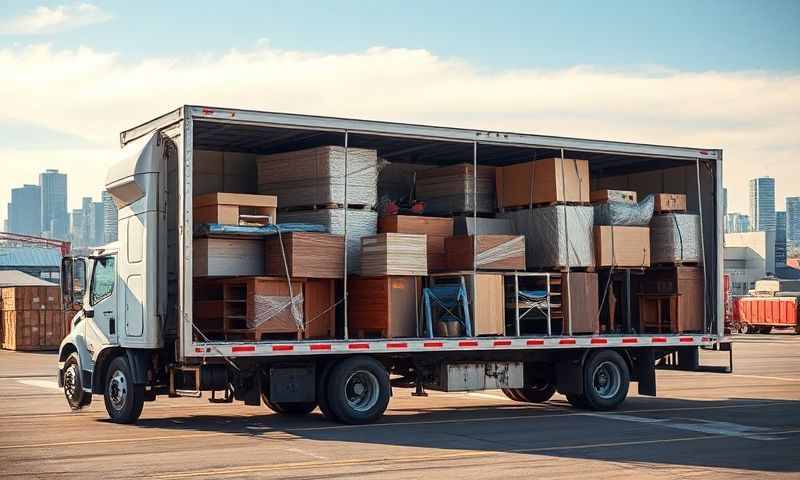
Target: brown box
point(387, 307)
point(670, 202)
point(541, 182)
point(33, 329)
point(436, 228)
point(671, 300)
point(394, 254)
point(583, 295)
point(31, 298)
point(308, 255)
point(627, 247)
point(495, 252)
point(252, 307)
point(228, 257)
point(235, 209)
point(604, 196)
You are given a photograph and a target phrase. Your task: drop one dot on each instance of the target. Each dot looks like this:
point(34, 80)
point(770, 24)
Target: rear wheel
point(765, 330)
point(77, 398)
point(532, 393)
point(358, 390)
point(291, 408)
point(605, 380)
point(124, 400)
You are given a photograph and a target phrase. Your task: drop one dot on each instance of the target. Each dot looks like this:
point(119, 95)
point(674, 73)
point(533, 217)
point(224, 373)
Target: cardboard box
point(626, 247)
point(394, 254)
point(228, 257)
point(308, 255)
point(541, 182)
point(494, 252)
point(670, 202)
point(604, 196)
point(235, 209)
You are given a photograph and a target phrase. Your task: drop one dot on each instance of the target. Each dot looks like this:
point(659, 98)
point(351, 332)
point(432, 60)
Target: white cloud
point(754, 116)
point(44, 20)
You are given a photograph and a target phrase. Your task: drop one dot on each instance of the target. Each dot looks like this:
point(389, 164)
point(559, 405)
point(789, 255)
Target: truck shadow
point(748, 434)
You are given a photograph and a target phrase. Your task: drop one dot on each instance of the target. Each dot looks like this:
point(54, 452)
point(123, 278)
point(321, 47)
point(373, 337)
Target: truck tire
point(291, 408)
point(531, 394)
point(765, 330)
point(605, 380)
point(358, 390)
point(322, 393)
point(77, 398)
point(512, 394)
point(124, 400)
point(577, 401)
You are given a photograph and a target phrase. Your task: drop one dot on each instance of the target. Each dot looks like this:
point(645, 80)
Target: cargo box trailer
point(139, 333)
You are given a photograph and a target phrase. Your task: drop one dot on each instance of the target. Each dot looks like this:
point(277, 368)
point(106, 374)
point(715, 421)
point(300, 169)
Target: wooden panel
point(310, 255)
point(622, 246)
point(394, 254)
point(583, 295)
point(33, 329)
point(495, 252)
point(387, 306)
point(416, 224)
point(542, 181)
point(228, 257)
point(319, 296)
point(669, 202)
point(489, 309)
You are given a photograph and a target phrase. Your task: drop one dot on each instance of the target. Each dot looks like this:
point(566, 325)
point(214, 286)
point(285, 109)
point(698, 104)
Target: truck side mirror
point(73, 281)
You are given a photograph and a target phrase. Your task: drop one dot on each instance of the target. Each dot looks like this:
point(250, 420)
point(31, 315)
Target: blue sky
point(694, 35)
point(705, 73)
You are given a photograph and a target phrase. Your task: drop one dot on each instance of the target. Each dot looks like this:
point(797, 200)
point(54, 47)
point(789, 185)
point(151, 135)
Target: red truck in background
point(760, 314)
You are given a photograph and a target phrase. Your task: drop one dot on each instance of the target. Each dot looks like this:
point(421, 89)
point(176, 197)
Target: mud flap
point(646, 372)
point(569, 376)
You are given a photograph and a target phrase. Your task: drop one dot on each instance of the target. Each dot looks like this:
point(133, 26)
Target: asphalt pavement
point(745, 424)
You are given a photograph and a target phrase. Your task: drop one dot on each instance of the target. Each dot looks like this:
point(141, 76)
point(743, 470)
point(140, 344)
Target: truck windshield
point(102, 279)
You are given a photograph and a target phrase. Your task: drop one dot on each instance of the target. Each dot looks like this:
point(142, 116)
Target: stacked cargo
point(32, 316)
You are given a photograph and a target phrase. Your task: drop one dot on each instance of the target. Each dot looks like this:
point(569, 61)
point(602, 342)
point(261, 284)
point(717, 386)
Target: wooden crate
point(625, 247)
point(33, 329)
point(386, 307)
point(250, 308)
point(541, 182)
point(495, 252)
point(437, 230)
point(235, 209)
point(394, 254)
point(671, 300)
point(308, 255)
point(227, 257)
point(584, 306)
point(670, 202)
point(605, 196)
point(31, 298)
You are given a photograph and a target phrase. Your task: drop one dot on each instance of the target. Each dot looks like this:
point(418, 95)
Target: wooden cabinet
point(385, 307)
point(671, 300)
point(583, 303)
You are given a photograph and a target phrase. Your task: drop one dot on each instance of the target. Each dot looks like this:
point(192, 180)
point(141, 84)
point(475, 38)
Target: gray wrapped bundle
point(546, 237)
point(675, 238)
point(625, 214)
point(315, 176)
point(449, 190)
point(360, 223)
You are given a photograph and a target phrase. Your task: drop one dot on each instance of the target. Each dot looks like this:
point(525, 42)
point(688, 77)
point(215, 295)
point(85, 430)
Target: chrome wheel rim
point(71, 381)
point(118, 390)
point(361, 390)
point(606, 380)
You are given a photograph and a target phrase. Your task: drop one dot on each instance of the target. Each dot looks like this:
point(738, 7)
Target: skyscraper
point(109, 217)
point(55, 219)
point(24, 211)
point(99, 224)
point(762, 204)
point(793, 221)
point(76, 231)
point(780, 238)
point(737, 223)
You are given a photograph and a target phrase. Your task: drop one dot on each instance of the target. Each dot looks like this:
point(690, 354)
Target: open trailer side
point(350, 377)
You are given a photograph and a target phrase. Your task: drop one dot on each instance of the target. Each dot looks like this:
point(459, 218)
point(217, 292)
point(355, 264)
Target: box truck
point(137, 336)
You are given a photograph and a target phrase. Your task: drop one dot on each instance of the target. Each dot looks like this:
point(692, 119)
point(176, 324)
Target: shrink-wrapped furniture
point(557, 236)
point(675, 238)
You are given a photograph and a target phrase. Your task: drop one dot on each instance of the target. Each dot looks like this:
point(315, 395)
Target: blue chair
point(453, 300)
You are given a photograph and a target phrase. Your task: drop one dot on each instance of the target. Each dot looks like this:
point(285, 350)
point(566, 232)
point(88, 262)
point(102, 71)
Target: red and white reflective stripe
point(444, 344)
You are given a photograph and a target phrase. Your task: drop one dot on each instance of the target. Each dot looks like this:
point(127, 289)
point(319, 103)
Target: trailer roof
point(247, 119)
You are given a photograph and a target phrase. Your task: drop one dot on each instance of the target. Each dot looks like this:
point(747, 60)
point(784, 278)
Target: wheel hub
point(70, 381)
point(606, 380)
point(118, 390)
point(361, 390)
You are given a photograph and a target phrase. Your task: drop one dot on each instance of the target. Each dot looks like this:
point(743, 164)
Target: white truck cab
point(121, 291)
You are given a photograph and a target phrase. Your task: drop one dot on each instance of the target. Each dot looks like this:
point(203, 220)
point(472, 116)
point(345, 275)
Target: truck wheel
point(743, 328)
point(512, 394)
point(532, 393)
point(766, 330)
point(77, 398)
point(291, 408)
point(124, 400)
point(605, 380)
point(322, 393)
point(358, 390)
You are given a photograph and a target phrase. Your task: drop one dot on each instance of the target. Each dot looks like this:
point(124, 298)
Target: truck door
point(101, 311)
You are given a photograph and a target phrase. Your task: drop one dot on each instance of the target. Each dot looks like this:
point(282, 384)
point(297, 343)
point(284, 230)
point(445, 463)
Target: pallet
point(542, 205)
point(563, 269)
point(326, 206)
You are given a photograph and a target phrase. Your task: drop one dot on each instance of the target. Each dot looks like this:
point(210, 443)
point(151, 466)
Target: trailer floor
point(746, 424)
